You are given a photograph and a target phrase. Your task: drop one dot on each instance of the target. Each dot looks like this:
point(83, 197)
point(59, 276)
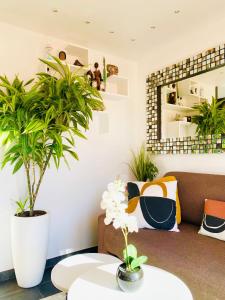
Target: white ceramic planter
point(29, 240)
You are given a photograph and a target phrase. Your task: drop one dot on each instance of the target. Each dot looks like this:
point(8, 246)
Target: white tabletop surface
point(67, 270)
point(100, 283)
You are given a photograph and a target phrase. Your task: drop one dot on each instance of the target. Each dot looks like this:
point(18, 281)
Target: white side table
point(100, 283)
point(67, 270)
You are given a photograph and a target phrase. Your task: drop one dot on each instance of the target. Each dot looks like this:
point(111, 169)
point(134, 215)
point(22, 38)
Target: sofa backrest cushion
point(193, 189)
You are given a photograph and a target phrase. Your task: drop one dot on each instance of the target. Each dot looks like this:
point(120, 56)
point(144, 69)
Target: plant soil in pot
point(129, 281)
point(29, 247)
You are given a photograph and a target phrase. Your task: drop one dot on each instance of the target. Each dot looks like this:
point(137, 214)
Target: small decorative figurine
point(97, 76)
point(62, 55)
point(48, 54)
point(78, 63)
point(179, 101)
point(171, 98)
point(90, 77)
point(112, 70)
point(104, 75)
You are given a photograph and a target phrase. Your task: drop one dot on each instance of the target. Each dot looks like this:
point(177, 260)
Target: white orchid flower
point(132, 224)
point(115, 205)
point(117, 185)
point(107, 220)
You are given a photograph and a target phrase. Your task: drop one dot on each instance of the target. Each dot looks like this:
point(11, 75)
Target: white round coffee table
point(67, 270)
point(100, 283)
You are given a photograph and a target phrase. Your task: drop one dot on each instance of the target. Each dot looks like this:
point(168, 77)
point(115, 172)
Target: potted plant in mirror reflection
point(210, 118)
point(39, 122)
point(114, 200)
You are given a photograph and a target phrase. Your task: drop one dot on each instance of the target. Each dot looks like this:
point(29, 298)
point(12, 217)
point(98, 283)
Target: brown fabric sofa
point(198, 260)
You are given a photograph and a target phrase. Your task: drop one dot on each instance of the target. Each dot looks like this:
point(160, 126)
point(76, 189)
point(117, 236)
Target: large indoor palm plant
point(39, 123)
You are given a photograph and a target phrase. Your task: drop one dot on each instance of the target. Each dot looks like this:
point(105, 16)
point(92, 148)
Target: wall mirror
point(183, 100)
point(179, 100)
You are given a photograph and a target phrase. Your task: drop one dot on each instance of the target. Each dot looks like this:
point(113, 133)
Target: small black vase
point(129, 281)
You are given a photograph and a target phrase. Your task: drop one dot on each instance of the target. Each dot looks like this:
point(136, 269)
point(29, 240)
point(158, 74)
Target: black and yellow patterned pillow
point(155, 203)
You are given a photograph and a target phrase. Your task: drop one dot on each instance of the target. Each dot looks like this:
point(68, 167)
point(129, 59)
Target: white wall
point(71, 196)
point(189, 45)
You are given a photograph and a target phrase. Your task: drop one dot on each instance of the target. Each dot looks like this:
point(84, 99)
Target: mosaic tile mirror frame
point(203, 62)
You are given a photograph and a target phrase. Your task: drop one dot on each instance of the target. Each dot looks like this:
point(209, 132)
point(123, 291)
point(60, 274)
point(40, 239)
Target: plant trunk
point(40, 179)
point(29, 188)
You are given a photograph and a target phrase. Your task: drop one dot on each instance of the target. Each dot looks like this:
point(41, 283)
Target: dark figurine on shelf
point(171, 98)
point(90, 77)
point(97, 78)
point(78, 63)
point(62, 55)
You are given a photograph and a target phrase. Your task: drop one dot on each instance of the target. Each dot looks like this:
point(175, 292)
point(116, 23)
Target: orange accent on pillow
point(215, 208)
point(161, 184)
point(132, 205)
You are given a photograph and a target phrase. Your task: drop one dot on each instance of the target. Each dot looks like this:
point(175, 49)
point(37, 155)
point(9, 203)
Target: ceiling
point(129, 20)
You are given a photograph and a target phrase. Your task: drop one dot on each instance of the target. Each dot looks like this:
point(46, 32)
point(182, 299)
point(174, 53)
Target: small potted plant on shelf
point(39, 122)
point(114, 201)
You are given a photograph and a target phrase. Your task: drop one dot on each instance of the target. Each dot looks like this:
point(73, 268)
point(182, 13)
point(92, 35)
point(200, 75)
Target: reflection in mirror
point(187, 106)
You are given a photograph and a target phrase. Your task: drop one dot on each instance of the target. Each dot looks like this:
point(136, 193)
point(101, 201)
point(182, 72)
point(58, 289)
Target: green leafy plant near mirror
point(142, 166)
point(211, 118)
point(41, 119)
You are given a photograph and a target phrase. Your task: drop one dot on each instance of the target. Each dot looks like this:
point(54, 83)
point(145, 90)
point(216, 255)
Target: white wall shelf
point(177, 107)
point(116, 86)
point(112, 96)
point(78, 69)
point(117, 78)
point(177, 129)
point(194, 95)
point(79, 53)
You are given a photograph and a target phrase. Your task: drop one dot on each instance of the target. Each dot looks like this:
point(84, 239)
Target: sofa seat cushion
point(198, 260)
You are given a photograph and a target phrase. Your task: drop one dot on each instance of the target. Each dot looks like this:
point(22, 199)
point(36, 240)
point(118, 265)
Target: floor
point(9, 290)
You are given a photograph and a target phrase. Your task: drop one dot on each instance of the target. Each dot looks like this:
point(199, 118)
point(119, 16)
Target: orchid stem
point(125, 234)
